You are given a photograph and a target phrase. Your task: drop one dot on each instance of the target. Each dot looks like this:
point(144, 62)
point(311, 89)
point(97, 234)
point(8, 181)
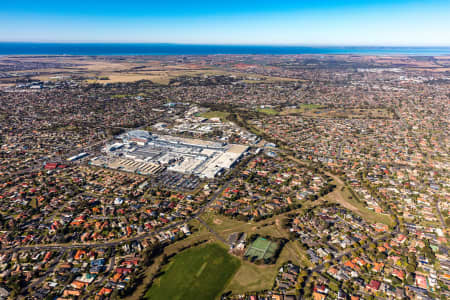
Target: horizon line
point(230, 44)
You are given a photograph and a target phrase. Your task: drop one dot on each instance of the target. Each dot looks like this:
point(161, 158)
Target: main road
point(115, 243)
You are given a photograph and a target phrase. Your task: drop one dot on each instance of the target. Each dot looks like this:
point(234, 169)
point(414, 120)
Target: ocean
point(19, 48)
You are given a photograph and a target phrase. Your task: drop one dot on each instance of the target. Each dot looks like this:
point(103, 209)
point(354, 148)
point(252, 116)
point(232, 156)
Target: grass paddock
point(197, 273)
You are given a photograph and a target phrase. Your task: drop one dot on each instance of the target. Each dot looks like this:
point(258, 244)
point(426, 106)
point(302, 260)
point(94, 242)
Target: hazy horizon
point(318, 45)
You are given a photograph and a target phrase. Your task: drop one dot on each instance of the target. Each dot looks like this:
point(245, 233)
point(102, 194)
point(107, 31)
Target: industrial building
point(78, 156)
point(142, 152)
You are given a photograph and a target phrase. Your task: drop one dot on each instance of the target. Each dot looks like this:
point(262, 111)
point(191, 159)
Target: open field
point(350, 113)
point(346, 199)
point(197, 273)
point(134, 68)
point(251, 277)
point(130, 77)
point(292, 251)
point(200, 235)
point(224, 226)
point(5, 85)
point(268, 111)
point(302, 108)
point(215, 114)
point(320, 111)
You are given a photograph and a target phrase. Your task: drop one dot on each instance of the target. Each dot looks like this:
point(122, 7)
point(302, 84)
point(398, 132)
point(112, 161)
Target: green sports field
point(215, 114)
point(197, 273)
point(261, 248)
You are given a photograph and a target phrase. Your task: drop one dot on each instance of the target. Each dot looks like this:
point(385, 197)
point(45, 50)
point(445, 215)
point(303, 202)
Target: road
point(441, 218)
point(111, 266)
point(61, 247)
point(64, 247)
point(212, 231)
point(336, 260)
point(340, 255)
point(38, 165)
point(50, 270)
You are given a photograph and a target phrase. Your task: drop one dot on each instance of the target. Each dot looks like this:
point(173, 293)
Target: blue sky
point(390, 23)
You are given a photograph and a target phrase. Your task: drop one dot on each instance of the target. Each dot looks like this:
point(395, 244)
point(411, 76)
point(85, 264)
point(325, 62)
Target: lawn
point(225, 226)
point(34, 203)
point(268, 111)
point(318, 111)
point(293, 252)
point(251, 277)
point(200, 235)
point(311, 106)
point(302, 108)
point(197, 273)
point(215, 114)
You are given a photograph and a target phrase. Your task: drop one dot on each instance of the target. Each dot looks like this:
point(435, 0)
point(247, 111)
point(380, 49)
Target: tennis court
point(261, 248)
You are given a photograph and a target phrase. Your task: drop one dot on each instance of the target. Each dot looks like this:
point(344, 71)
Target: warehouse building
point(146, 153)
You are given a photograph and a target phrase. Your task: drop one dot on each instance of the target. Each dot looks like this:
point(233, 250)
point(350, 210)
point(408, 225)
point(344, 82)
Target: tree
point(285, 223)
point(409, 279)
point(411, 268)
point(115, 294)
point(429, 253)
point(307, 290)
point(164, 260)
point(396, 281)
point(381, 256)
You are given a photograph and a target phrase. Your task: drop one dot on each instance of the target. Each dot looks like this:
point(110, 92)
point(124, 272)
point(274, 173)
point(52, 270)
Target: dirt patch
point(338, 198)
